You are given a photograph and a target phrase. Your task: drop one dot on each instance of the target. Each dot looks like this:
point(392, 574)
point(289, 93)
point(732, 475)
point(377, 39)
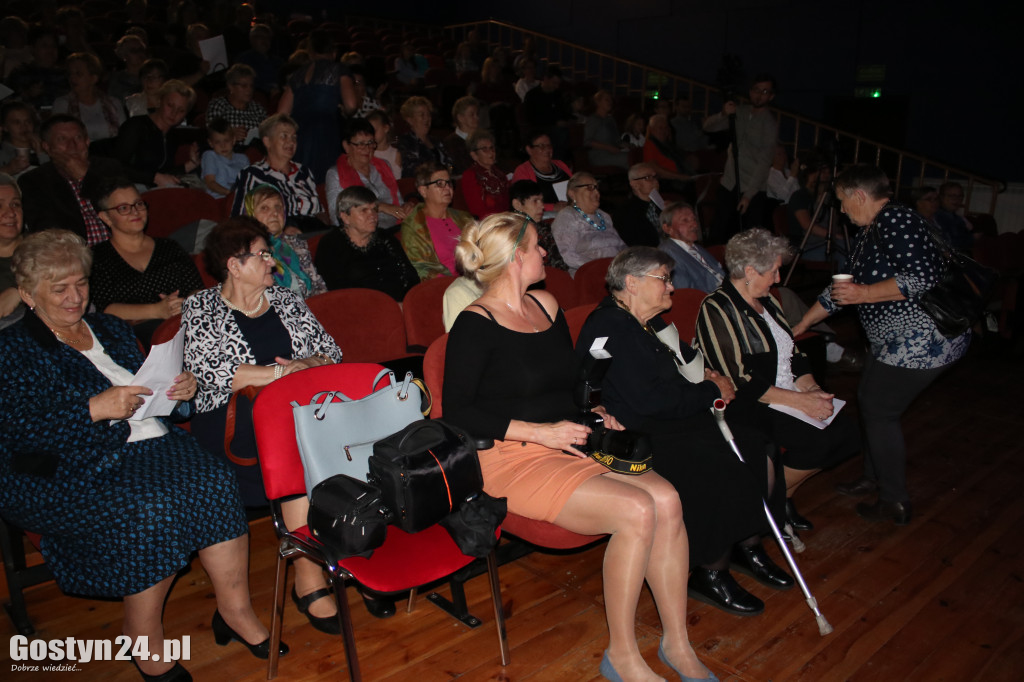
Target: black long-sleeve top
point(144, 150)
point(493, 375)
point(642, 382)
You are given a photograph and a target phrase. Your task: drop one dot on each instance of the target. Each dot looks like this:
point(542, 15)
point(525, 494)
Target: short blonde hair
point(410, 105)
point(51, 255)
point(487, 247)
point(268, 124)
point(178, 87)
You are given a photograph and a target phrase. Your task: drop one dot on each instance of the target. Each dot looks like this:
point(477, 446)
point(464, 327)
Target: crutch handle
point(719, 411)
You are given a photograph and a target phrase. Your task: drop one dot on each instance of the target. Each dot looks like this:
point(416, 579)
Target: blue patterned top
point(898, 245)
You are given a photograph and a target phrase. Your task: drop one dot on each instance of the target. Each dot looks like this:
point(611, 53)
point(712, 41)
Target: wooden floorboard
point(941, 599)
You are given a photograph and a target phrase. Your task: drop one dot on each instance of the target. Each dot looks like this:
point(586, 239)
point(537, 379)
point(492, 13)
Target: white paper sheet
point(560, 189)
point(657, 199)
point(215, 52)
point(157, 374)
point(837, 405)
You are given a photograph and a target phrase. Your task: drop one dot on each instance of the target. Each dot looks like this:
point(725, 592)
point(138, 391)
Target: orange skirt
point(536, 479)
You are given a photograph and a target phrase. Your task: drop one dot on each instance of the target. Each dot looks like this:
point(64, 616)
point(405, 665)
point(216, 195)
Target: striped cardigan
point(738, 343)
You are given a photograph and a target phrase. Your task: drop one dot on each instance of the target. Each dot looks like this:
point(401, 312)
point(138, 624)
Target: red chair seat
point(544, 534)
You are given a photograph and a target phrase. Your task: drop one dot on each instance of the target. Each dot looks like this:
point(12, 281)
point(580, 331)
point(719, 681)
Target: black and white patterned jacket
point(215, 346)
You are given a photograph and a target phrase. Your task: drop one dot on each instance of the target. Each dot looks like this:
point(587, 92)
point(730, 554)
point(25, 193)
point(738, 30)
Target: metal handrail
point(625, 77)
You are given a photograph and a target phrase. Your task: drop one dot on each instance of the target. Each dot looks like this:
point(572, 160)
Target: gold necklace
point(247, 313)
point(68, 340)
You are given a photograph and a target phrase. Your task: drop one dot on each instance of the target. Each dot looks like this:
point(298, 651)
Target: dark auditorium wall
point(953, 67)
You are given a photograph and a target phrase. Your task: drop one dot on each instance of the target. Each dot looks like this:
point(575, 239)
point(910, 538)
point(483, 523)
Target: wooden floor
point(942, 599)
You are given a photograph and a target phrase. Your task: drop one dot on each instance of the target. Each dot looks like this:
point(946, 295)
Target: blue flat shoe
point(664, 659)
point(608, 670)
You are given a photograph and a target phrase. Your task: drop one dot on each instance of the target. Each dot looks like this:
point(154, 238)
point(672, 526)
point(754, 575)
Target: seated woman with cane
point(509, 375)
point(643, 387)
point(744, 335)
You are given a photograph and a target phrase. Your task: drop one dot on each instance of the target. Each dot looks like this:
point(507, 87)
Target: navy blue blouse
point(898, 245)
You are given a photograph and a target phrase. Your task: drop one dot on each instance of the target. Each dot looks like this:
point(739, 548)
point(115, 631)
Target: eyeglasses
point(264, 254)
point(540, 146)
point(665, 279)
point(591, 186)
point(760, 91)
point(124, 209)
point(441, 184)
point(648, 178)
point(370, 144)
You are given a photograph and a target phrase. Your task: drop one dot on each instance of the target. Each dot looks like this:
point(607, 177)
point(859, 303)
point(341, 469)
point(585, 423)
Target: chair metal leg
point(410, 603)
point(277, 617)
point(345, 619)
point(499, 611)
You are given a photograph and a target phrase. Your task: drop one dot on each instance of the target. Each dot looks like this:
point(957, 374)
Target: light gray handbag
point(336, 434)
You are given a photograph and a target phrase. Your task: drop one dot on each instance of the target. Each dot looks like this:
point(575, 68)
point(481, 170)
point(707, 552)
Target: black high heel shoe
point(328, 624)
point(223, 634)
point(176, 674)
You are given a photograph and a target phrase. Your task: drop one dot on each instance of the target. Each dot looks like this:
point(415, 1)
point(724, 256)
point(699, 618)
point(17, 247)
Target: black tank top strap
point(542, 308)
point(486, 311)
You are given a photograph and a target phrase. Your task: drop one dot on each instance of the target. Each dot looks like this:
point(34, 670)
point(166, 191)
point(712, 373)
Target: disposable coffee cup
point(836, 279)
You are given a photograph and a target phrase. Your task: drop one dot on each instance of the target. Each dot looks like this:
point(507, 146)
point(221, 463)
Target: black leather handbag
point(424, 472)
point(347, 516)
point(960, 298)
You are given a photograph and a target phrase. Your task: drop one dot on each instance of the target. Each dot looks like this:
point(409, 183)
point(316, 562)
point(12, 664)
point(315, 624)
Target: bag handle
point(321, 411)
point(230, 417)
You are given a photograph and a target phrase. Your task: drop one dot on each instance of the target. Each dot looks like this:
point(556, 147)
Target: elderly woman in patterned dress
point(120, 503)
point(244, 333)
point(894, 261)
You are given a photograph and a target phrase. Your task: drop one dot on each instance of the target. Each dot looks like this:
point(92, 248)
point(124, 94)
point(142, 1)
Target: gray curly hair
point(756, 247)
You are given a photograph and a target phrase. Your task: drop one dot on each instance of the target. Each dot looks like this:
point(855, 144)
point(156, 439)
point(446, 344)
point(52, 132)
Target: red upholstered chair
point(561, 286)
point(367, 324)
point(172, 208)
point(718, 251)
point(166, 331)
point(312, 243)
point(589, 280)
point(405, 561)
point(684, 311)
point(423, 309)
point(575, 317)
point(537, 533)
point(208, 279)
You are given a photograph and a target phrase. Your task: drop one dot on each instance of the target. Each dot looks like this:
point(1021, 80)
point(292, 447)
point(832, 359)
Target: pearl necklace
point(600, 228)
point(247, 313)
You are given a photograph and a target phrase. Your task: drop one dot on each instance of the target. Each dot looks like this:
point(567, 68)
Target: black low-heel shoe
point(328, 624)
point(223, 634)
point(756, 563)
point(794, 517)
point(379, 607)
point(720, 589)
point(897, 512)
point(175, 674)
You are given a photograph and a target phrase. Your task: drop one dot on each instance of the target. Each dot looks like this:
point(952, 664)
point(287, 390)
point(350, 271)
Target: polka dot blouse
point(898, 245)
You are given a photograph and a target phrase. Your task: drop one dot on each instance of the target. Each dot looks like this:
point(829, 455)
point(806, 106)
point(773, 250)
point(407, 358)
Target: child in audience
point(382, 135)
point(221, 164)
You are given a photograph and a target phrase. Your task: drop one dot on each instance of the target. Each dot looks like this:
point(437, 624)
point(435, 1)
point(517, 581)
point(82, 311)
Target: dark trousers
point(728, 221)
point(885, 393)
